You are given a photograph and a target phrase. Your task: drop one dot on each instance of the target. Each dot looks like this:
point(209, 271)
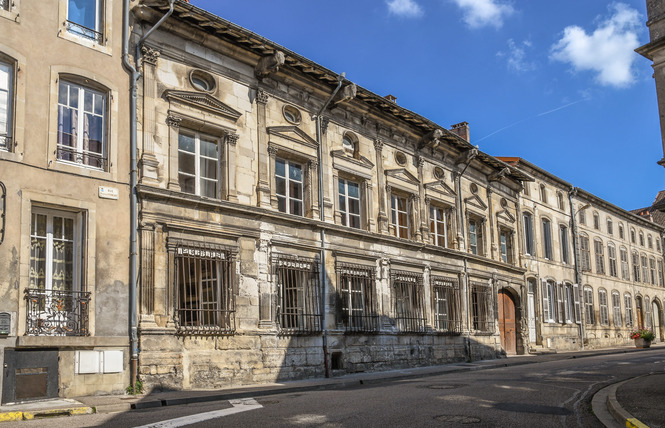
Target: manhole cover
point(444, 386)
point(459, 419)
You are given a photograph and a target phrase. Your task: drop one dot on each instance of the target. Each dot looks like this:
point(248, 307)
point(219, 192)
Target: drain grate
point(458, 419)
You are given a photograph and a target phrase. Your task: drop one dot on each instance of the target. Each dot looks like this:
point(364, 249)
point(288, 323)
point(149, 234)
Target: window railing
point(445, 298)
point(91, 159)
point(357, 301)
point(85, 32)
point(56, 312)
point(408, 301)
point(481, 300)
point(5, 140)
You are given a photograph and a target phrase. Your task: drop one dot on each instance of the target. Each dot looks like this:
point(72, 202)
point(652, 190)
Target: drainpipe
point(133, 206)
point(578, 276)
point(324, 286)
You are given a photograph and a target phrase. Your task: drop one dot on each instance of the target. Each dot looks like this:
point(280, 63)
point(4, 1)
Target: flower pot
point(642, 343)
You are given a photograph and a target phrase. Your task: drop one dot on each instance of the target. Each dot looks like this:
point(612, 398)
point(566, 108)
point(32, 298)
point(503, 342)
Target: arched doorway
point(657, 315)
point(508, 322)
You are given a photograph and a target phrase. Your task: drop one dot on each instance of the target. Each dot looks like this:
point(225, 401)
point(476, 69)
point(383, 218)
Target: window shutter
point(546, 303)
point(576, 299)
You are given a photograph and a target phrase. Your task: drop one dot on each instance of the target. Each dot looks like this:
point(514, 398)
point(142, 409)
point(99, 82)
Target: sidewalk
point(118, 403)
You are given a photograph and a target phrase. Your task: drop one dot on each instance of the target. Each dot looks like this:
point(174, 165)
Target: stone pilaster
point(148, 163)
point(263, 187)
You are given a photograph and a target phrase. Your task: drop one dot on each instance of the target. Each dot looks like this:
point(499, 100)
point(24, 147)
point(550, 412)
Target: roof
point(653, 212)
point(261, 46)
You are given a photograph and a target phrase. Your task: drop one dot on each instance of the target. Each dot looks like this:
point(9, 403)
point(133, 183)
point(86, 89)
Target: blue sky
point(554, 82)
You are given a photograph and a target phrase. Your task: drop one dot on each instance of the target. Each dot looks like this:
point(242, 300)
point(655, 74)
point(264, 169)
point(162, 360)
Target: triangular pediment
point(402, 174)
point(293, 133)
point(442, 187)
point(200, 101)
point(360, 160)
point(475, 201)
point(506, 215)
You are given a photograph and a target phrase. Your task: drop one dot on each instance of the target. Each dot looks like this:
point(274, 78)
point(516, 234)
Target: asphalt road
point(548, 394)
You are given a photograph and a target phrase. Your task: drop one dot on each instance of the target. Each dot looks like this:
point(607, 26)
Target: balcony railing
point(91, 159)
point(86, 32)
point(56, 312)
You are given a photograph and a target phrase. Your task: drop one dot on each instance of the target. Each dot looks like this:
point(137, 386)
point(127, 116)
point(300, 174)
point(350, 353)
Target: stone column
point(382, 188)
point(313, 190)
point(390, 227)
point(147, 288)
point(426, 231)
point(414, 202)
point(423, 232)
point(272, 154)
point(369, 223)
point(148, 163)
point(173, 121)
point(492, 232)
point(263, 187)
point(266, 319)
point(329, 188)
point(230, 158)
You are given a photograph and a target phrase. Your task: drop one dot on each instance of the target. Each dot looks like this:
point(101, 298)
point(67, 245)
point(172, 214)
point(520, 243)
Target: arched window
point(596, 221)
point(610, 227)
point(612, 259)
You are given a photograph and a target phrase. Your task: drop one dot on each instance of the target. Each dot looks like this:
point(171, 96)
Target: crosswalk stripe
point(239, 406)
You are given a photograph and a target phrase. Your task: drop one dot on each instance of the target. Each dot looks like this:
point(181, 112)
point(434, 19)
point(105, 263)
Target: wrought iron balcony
point(56, 312)
point(87, 158)
point(86, 32)
point(5, 140)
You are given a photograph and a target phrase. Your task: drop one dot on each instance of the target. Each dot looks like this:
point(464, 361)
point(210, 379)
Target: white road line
point(239, 406)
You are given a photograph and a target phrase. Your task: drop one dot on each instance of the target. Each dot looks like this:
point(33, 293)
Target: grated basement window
point(481, 300)
point(408, 299)
point(205, 298)
point(299, 310)
point(357, 310)
point(446, 301)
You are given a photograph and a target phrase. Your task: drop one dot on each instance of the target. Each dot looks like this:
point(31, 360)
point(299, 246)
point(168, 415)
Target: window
point(660, 273)
point(506, 245)
point(559, 200)
point(205, 298)
point(350, 144)
point(289, 186)
point(585, 255)
point(349, 203)
point(658, 243)
point(547, 239)
point(527, 191)
point(85, 19)
point(647, 312)
point(632, 235)
point(358, 309)
point(588, 306)
point(600, 256)
point(205, 82)
point(198, 164)
point(439, 225)
point(612, 259)
point(628, 307)
point(652, 270)
point(56, 303)
point(6, 104)
point(409, 303)
point(645, 269)
point(549, 301)
point(602, 306)
point(596, 221)
point(81, 125)
point(582, 217)
point(4, 4)
point(610, 227)
point(649, 242)
point(565, 246)
point(625, 271)
point(616, 308)
point(299, 301)
point(571, 303)
point(636, 266)
point(621, 231)
point(476, 237)
point(399, 216)
point(481, 300)
point(528, 234)
point(445, 298)
point(641, 239)
point(543, 193)
point(638, 312)
point(291, 114)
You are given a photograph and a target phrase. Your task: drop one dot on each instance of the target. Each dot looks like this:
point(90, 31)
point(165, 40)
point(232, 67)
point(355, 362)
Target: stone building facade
point(294, 224)
point(63, 199)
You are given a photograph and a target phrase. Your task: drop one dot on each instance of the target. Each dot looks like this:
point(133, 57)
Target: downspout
point(133, 205)
point(324, 286)
point(578, 276)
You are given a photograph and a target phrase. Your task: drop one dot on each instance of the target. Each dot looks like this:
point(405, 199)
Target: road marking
point(239, 406)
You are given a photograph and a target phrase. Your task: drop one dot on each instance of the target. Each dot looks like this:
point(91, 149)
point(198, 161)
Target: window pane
point(209, 188)
point(95, 133)
point(208, 148)
point(280, 168)
point(354, 206)
point(83, 12)
point(354, 221)
point(187, 183)
point(186, 143)
point(87, 101)
point(296, 207)
point(295, 172)
point(208, 168)
point(353, 190)
point(295, 190)
point(186, 163)
point(341, 188)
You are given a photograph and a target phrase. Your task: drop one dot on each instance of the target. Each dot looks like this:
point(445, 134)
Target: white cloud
point(516, 57)
point(406, 8)
point(607, 51)
point(483, 13)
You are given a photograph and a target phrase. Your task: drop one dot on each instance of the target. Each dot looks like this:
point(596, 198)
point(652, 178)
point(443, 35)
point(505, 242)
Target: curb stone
point(49, 413)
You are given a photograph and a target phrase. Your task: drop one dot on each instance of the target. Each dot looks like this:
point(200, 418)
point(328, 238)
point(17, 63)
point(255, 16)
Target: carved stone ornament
point(272, 151)
point(269, 64)
point(378, 145)
point(324, 124)
point(200, 101)
point(261, 96)
point(150, 55)
point(232, 138)
point(173, 120)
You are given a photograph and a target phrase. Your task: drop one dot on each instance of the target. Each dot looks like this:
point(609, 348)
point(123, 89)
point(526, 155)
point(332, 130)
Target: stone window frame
point(649, 242)
point(625, 264)
point(226, 138)
point(509, 232)
point(481, 307)
point(635, 259)
point(13, 11)
point(622, 234)
point(546, 231)
point(363, 276)
point(450, 287)
point(16, 103)
point(481, 244)
point(407, 285)
point(106, 27)
point(543, 194)
point(365, 188)
point(596, 220)
point(411, 200)
point(652, 270)
point(628, 308)
point(585, 252)
point(309, 267)
point(549, 300)
point(450, 226)
point(645, 268)
point(641, 236)
point(309, 173)
point(610, 226)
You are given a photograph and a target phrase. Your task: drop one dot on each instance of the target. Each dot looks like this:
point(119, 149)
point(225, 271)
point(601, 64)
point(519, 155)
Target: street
point(547, 394)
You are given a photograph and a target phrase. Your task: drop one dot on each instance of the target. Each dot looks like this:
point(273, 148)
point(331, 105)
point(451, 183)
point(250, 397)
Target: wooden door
point(507, 324)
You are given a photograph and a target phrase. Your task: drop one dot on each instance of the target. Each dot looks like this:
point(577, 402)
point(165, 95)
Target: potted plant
point(642, 338)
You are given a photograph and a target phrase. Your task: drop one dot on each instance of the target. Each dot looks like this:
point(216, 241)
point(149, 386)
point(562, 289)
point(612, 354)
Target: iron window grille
point(357, 308)
point(299, 307)
point(481, 308)
point(408, 301)
point(205, 290)
point(446, 302)
point(56, 312)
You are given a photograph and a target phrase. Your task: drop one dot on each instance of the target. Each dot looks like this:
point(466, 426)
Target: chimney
point(461, 129)
point(392, 98)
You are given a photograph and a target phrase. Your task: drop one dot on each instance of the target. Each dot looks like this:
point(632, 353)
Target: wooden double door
point(508, 322)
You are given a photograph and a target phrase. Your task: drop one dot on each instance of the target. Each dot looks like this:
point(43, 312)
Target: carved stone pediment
point(360, 160)
point(505, 215)
point(200, 101)
point(293, 133)
point(442, 187)
point(402, 174)
point(475, 201)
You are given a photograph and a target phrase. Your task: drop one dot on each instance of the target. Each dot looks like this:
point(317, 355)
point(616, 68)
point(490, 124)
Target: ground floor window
point(205, 298)
point(445, 299)
point(299, 301)
point(589, 314)
point(357, 309)
point(407, 288)
point(481, 307)
point(628, 305)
